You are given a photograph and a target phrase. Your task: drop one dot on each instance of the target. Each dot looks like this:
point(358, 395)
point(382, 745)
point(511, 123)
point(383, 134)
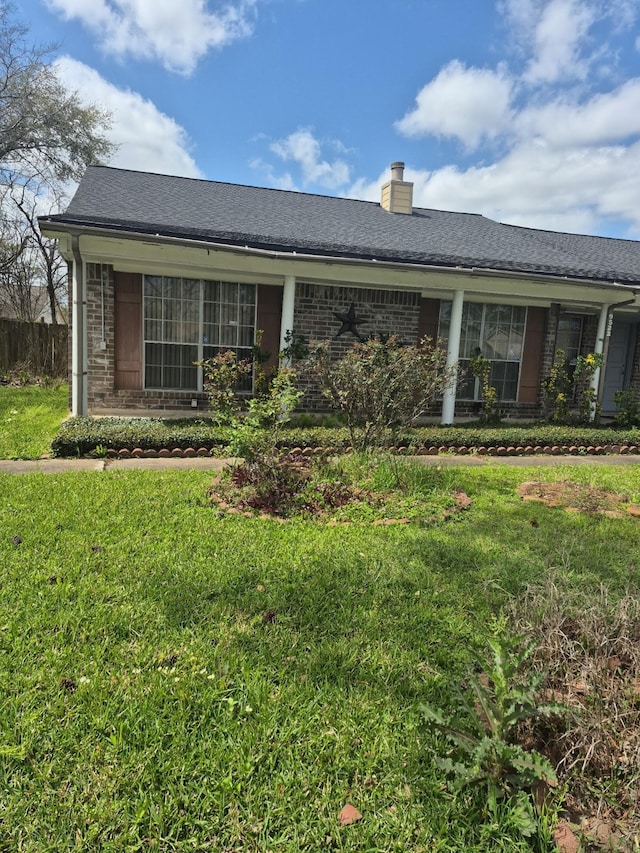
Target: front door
point(616, 371)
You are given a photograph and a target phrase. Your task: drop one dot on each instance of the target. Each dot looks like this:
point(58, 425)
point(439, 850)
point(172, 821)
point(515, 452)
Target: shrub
point(381, 385)
point(480, 367)
point(628, 403)
point(559, 389)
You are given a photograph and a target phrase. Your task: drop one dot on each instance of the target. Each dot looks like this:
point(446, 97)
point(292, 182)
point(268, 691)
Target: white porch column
point(288, 304)
point(604, 330)
point(453, 353)
point(79, 392)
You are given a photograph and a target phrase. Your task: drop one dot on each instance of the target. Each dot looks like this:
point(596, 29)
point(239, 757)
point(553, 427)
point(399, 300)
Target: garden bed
point(150, 436)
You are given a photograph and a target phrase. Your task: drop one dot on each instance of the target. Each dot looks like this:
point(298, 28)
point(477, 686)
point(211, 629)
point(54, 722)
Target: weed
point(485, 752)
point(587, 653)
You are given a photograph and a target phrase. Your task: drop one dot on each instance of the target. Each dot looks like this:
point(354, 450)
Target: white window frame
point(477, 391)
point(201, 345)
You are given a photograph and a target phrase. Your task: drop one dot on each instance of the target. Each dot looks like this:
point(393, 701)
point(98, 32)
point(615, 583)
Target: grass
point(30, 416)
point(177, 681)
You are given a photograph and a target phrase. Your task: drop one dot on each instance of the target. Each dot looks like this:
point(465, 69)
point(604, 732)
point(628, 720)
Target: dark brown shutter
point(128, 331)
point(429, 318)
point(532, 355)
point(269, 315)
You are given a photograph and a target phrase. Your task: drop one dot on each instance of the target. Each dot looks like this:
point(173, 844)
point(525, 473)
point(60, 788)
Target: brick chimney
point(397, 194)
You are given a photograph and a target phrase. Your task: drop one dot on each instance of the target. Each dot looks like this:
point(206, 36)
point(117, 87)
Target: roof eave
point(51, 225)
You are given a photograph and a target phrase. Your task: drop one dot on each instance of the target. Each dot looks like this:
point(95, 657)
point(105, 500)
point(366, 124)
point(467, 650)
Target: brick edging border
point(430, 450)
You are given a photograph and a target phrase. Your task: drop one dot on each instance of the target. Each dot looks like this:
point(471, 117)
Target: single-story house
point(166, 271)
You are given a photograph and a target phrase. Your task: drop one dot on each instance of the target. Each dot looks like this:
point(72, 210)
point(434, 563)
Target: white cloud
point(534, 186)
point(467, 103)
point(540, 187)
point(302, 148)
point(571, 154)
point(147, 139)
point(558, 36)
point(176, 35)
point(607, 117)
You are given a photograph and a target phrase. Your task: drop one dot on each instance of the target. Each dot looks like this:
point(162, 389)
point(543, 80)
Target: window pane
point(211, 312)
point(191, 289)
point(229, 292)
point(466, 389)
point(445, 320)
point(471, 328)
point(190, 327)
point(245, 336)
point(211, 335)
point(247, 314)
point(171, 309)
point(171, 331)
point(153, 330)
point(171, 287)
point(569, 337)
point(228, 336)
point(153, 308)
point(153, 285)
point(247, 293)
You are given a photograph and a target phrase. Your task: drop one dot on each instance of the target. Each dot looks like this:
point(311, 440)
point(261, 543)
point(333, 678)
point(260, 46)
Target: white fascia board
point(155, 256)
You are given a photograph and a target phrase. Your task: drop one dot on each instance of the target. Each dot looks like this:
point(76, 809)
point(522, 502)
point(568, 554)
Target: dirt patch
point(578, 497)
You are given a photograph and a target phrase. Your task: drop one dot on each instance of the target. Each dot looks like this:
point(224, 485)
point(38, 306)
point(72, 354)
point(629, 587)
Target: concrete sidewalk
point(210, 463)
point(59, 466)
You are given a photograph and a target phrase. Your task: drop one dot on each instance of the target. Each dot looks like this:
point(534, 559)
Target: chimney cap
point(397, 165)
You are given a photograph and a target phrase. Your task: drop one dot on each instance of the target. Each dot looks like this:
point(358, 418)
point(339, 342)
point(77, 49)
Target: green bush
point(381, 386)
point(80, 436)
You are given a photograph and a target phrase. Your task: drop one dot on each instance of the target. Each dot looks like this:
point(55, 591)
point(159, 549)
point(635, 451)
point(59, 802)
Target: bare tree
point(18, 273)
point(45, 131)
point(50, 267)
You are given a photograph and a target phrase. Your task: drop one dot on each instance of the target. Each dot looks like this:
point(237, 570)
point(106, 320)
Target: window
point(498, 332)
point(186, 320)
point(569, 339)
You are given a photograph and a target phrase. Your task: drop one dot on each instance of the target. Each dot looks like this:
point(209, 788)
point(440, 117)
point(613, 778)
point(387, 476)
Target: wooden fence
point(38, 347)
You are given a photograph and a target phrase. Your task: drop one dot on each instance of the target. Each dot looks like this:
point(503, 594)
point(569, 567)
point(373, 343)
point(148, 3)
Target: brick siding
point(387, 312)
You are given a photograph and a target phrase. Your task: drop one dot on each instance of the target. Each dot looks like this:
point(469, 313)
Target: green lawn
point(30, 416)
point(173, 680)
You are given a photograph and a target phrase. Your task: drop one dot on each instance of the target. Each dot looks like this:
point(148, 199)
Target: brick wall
point(634, 383)
point(550, 335)
point(388, 312)
point(100, 297)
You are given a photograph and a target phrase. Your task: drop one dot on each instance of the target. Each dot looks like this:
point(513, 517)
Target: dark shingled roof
point(287, 221)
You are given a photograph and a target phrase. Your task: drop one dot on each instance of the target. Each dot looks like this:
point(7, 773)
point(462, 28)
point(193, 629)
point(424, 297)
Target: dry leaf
point(349, 814)
point(565, 838)
point(463, 501)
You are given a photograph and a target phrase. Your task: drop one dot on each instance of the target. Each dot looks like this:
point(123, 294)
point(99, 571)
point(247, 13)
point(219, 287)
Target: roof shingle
point(313, 224)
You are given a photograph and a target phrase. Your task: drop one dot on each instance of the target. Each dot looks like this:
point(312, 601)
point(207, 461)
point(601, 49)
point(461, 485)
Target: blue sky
point(527, 111)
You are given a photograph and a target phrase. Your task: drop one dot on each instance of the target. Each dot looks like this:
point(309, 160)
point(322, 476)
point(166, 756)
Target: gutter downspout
point(79, 397)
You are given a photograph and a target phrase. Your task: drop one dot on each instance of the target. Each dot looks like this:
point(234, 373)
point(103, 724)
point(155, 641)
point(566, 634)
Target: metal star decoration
point(349, 322)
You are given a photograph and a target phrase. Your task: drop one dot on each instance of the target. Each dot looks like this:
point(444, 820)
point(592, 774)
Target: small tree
point(272, 478)
point(381, 386)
